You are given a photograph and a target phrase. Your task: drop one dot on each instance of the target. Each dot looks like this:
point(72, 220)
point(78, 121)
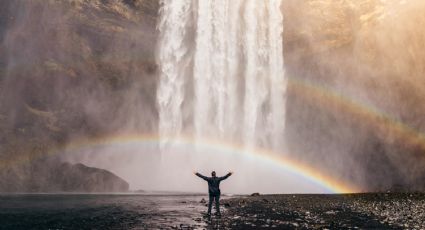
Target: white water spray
point(174, 62)
point(222, 71)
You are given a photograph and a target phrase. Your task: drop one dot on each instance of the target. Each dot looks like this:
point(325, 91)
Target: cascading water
point(222, 71)
point(172, 52)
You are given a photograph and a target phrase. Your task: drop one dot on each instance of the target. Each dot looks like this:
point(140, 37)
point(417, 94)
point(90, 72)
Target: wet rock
point(255, 194)
point(184, 226)
point(236, 217)
point(360, 211)
point(203, 201)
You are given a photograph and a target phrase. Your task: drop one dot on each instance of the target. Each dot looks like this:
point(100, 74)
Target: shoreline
point(285, 211)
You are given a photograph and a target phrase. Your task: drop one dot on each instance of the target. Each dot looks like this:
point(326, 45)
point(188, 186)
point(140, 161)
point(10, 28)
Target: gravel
point(351, 211)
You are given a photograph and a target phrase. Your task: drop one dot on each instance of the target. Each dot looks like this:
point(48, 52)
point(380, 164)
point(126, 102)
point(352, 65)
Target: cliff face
point(62, 56)
point(356, 89)
point(62, 177)
point(65, 69)
point(79, 177)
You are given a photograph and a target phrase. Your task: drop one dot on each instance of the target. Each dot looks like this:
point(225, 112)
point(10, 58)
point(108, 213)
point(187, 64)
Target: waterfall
point(222, 71)
point(173, 61)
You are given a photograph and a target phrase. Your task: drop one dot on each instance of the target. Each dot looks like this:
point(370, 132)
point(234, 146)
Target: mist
point(83, 70)
point(366, 52)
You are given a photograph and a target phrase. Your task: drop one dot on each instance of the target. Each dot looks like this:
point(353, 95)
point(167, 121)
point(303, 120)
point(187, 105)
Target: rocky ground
point(185, 211)
point(357, 211)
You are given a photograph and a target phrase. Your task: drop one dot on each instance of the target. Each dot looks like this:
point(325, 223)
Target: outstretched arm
point(227, 175)
point(201, 176)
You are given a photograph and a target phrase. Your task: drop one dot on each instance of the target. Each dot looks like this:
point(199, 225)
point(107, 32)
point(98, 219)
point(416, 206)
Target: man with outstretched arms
point(214, 189)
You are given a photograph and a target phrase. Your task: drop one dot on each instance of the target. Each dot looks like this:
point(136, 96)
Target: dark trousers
point(217, 203)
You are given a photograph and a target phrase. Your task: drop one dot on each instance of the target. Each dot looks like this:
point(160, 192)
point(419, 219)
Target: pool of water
point(101, 211)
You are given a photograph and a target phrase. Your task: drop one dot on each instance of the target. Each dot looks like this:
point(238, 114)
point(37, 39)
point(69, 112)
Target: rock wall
point(60, 177)
point(356, 90)
point(64, 65)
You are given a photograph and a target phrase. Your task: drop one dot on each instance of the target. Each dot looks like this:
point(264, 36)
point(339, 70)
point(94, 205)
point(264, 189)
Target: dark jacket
point(213, 183)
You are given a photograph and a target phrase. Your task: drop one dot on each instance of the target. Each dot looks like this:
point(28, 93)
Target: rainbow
point(331, 100)
point(259, 155)
point(310, 93)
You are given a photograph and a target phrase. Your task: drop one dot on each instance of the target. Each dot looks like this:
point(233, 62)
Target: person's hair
point(213, 173)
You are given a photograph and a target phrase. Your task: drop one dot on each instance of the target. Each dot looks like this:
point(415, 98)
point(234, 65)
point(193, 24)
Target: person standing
point(214, 190)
